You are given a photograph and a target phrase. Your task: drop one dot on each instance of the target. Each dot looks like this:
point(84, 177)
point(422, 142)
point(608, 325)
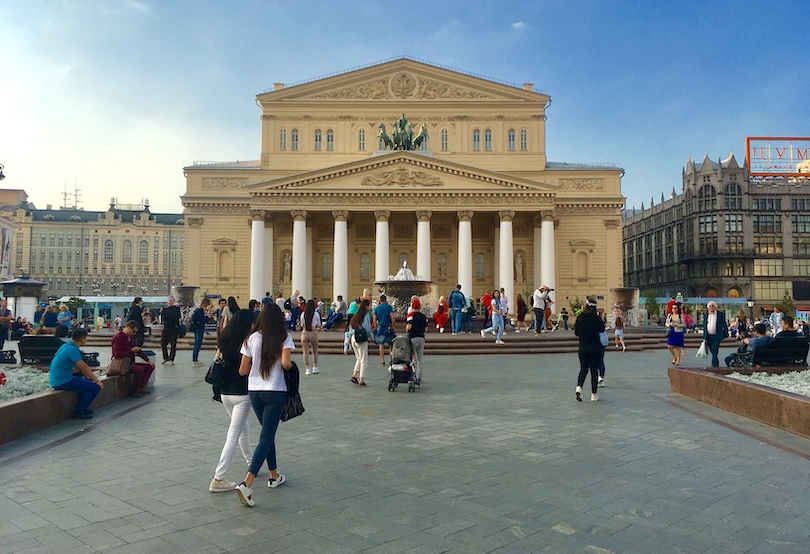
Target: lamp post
point(114, 288)
point(751, 308)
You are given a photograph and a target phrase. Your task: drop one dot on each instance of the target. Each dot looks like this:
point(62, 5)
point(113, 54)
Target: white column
point(423, 265)
point(340, 257)
point(306, 292)
point(382, 247)
point(257, 256)
point(496, 253)
point(547, 268)
point(268, 258)
point(465, 252)
point(537, 253)
point(299, 255)
point(506, 260)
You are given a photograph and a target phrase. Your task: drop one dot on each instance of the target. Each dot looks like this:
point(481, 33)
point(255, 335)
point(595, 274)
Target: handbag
point(294, 406)
point(216, 371)
point(119, 366)
point(603, 338)
point(703, 351)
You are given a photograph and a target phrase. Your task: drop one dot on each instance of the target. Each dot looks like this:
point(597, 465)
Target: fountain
point(401, 287)
point(625, 304)
point(185, 296)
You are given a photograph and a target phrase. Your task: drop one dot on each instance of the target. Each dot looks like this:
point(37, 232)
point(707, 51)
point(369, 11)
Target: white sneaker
point(315, 371)
point(441, 330)
point(273, 483)
point(517, 330)
point(579, 393)
point(483, 335)
point(499, 342)
point(307, 372)
point(594, 398)
point(600, 382)
point(171, 362)
point(245, 494)
point(196, 364)
point(221, 485)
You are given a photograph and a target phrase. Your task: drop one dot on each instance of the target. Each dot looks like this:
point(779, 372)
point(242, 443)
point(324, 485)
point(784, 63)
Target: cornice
point(530, 201)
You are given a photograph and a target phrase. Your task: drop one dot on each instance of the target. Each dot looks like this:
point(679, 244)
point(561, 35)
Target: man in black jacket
point(170, 315)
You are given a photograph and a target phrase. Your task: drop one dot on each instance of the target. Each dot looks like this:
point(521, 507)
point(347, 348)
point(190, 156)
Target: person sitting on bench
point(761, 338)
point(788, 332)
point(67, 360)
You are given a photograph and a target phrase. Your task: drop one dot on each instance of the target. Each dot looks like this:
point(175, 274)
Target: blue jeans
point(336, 317)
point(86, 389)
point(198, 338)
point(455, 320)
point(497, 325)
point(268, 406)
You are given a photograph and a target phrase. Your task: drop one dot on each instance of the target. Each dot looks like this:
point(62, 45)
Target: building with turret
point(728, 234)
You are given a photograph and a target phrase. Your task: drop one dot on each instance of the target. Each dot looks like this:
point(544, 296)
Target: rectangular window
point(772, 290)
point(733, 223)
point(767, 223)
point(764, 204)
point(768, 268)
point(768, 245)
point(707, 224)
point(801, 245)
point(734, 244)
point(800, 223)
point(800, 204)
point(801, 268)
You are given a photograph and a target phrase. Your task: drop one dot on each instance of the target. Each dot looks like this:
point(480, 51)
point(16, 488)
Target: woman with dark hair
point(226, 313)
point(587, 328)
point(136, 314)
point(234, 395)
point(198, 320)
point(310, 323)
point(361, 319)
point(266, 355)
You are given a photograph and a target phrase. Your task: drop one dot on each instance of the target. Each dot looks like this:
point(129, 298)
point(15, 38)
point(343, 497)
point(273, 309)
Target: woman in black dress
point(587, 328)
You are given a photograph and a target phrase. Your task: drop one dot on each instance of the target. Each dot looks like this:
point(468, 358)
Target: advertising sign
point(777, 156)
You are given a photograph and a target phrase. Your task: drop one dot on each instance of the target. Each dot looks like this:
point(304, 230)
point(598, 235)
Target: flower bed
point(797, 382)
point(25, 380)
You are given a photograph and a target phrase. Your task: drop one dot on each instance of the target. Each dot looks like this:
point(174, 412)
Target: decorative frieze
point(401, 177)
point(582, 184)
point(402, 86)
point(214, 183)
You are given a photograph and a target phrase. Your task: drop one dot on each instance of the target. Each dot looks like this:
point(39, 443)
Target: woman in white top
point(266, 355)
point(310, 323)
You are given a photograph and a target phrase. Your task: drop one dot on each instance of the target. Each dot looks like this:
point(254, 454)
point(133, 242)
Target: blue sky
point(121, 94)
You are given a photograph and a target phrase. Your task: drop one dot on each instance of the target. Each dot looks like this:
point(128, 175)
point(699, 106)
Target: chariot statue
point(402, 135)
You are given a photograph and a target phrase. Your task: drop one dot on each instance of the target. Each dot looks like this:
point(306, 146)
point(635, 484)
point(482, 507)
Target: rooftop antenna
point(76, 194)
point(65, 196)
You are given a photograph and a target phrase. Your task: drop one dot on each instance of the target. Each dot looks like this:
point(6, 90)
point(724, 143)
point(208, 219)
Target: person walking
point(486, 304)
point(498, 314)
point(170, 316)
point(234, 396)
point(383, 323)
point(715, 331)
point(136, 314)
point(522, 310)
point(266, 354)
point(415, 327)
point(675, 333)
point(198, 321)
point(619, 332)
point(310, 323)
point(361, 319)
point(457, 301)
point(775, 320)
point(587, 328)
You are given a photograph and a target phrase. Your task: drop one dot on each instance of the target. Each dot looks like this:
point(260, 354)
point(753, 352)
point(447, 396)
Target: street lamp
point(751, 308)
point(114, 287)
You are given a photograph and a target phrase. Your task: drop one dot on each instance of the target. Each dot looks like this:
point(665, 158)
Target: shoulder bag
point(119, 366)
point(216, 371)
point(294, 406)
point(360, 334)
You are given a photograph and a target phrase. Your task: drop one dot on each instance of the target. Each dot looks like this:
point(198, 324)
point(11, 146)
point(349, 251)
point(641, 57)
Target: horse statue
point(402, 135)
point(421, 137)
point(386, 140)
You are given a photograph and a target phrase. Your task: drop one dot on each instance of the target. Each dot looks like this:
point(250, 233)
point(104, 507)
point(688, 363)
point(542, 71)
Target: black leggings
point(589, 359)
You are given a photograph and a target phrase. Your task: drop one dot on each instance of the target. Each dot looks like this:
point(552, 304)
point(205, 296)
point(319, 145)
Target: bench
point(782, 352)
point(40, 349)
point(8, 357)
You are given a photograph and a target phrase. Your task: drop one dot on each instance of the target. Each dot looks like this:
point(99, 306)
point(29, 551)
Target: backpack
point(360, 334)
point(287, 305)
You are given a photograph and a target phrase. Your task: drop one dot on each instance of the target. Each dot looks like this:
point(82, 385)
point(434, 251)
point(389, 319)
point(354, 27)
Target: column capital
point(548, 215)
point(340, 215)
point(258, 215)
point(299, 215)
point(382, 215)
point(506, 215)
point(537, 220)
point(423, 215)
point(465, 215)
point(194, 221)
point(612, 223)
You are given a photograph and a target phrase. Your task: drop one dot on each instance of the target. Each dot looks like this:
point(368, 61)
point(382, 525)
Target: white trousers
point(238, 408)
point(419, 350)
point(361, 358)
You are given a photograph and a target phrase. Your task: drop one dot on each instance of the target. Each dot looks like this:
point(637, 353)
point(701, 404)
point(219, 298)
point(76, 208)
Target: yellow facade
point(485, 162)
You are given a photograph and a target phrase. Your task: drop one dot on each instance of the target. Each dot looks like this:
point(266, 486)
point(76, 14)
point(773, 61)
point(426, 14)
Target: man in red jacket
point(486, 302)
point(123, 346)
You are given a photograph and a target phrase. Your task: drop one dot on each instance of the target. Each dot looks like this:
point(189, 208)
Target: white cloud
point(519, 26)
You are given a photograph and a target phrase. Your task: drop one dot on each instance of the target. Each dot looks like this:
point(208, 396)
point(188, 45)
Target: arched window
point(361, 139)
point(733, 292)
point(476, 140)
point(126, 252)
point(365, 266)
point(444, 140)
point(318, 139)
point(294, 140)
point(524, 140)
point(511, 140)
point(707, 198)
point(488, 140)
point(729, 269)
point(109, 250)
point(715, 270)
point(326, 266)
point(330, 140)
point(480, 268)
point(733, 197)
point(282, 139)
point(143, 252)
point(740, 270)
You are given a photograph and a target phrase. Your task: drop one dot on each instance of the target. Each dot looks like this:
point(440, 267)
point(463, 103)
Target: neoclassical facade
point(327, 211)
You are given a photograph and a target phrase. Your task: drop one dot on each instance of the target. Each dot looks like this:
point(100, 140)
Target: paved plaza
point(492, 455)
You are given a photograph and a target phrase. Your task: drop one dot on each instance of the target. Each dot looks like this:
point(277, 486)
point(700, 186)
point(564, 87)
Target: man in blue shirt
point(457, 301)
point(384, 323)
point(67, 359)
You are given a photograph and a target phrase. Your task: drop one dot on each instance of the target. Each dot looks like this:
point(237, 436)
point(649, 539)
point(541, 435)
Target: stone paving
point(492, 455)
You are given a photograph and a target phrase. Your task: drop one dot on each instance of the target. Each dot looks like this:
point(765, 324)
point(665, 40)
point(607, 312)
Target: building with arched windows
point(327, 210)
point(727, 234)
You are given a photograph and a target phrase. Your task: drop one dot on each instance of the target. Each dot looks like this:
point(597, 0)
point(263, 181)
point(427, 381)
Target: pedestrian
point(383, 323)
point(266, 354)
point(170, 315)
point(587, 327)
point(522, 310)
point(715, 331)
point(675, 333)
point(198, 321)
point(310, 323)
point(124, 350)
point(136, 314)
point(67, 360)
point(457, 301)
point(361, 319)
point(619, 332)
point(415, 327)
point(5, 321)
point(64, 317)
point(117, 323)
point(775, 320)
point(233, 393)
point(498, 315)
point(486, 303)
point(442, 314)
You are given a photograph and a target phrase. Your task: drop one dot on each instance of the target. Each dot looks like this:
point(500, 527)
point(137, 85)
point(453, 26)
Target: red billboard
point(777, 156)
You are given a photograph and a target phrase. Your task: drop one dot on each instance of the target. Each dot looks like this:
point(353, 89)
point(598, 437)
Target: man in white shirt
point(714, 331)
point(776, 320)
point(539, 309)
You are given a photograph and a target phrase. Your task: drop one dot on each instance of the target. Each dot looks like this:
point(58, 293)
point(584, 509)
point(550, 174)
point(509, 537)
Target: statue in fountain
point(404, 274)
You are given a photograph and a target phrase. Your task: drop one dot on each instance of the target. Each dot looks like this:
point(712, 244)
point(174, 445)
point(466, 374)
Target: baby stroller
point(403, 367)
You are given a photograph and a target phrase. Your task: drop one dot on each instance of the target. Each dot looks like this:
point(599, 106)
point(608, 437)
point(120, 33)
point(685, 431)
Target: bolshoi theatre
point(331, 205)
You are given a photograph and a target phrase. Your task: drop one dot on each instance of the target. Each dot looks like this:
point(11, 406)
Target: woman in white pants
point(416, 327)
point(361, 319)
point(235, 400)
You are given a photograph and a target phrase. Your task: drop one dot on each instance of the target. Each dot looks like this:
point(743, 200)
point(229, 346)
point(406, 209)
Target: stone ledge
point(784, 410)
point(29, 414)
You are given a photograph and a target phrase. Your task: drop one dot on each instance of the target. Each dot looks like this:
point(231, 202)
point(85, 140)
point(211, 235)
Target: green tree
point(651, 304)
point(575, 304)
point(786, 305)
point(73, 303)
